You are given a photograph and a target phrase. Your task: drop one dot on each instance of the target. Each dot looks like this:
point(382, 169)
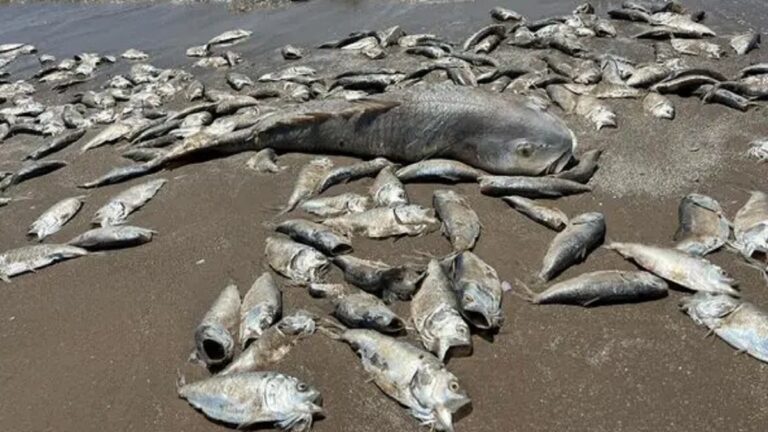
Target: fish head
point(439, 391)
point(479, 307)
point(708, 309)
point(535, 143)
point(718, 276)
point(450, 331)
point(299, 323)
point(296, 402)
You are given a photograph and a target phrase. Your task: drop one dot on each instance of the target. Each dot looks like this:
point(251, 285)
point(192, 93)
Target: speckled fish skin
point(413, 377)
point(56, 144)
point(300, 263)
point(443, 170)
point(379, 278)
point(604, 287)
point(338, 205)
point(319, 236)
point(359, 309)
point(550, 217)
point(740, 324)
point(307, 181)
point(53, 219)
point(117, 210)
point(461, 225)
point(584, 169)
point(274, 343)
point(658, 106)
point(30, 258)
point(694, 273)
point(255, 397)
point(478, 290)
point(112, 237)
point(435, 314)
point(215, 335)
point(383, 222)
point(703, 227)
point(583, 234)
point(261, 307)
point(387, 190)
point(750, 226)
point(352, 172)
point(530, 187)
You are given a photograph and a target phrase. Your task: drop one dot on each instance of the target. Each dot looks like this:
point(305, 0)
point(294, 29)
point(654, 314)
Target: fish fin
point(4, 277)
point(331, 328)
point(591, 301)
point(739, 351)
point(181, 381)
point(528, 294)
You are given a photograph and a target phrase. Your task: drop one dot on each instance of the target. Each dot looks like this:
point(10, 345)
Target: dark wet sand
point(94, 344)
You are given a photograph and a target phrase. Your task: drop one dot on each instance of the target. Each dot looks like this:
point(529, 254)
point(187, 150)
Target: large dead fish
point(30, 258)
point(461, 224)
point(300, 263)
point(603, 287)
point(415, 378)
point(740, 324)
point(359, 309)
point(750, 225)
point(703, 225)
point(53, 219)
point(583, 234)
point(382, 222)
point(116, 211)
point(435, 314)
point(692, 272)
point(250, 398)
point(497, 134)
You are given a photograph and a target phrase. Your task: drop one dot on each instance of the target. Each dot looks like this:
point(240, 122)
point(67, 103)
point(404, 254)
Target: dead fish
point(504, 14)
point(198, 51)
point(460, 223)
point(117, 209)
point(214, 62)
point(120, 174)
point(382, 222)
point(658, 106)
point(478, 289)
point(683, 25)
point(697, 48)
point(387, 190)
point(412, 40)
point(195, 90)
point(31, 170)
point(603, 287)
point(750, 225)
point(488, 44)
point(297, 262)
point(290, 52)
point(390, 36)
point(648, 75)
point(112, 237)
point(584, 169)
point(379, 278)
point(358, 309)
point(342, 204)
point(214, 336)
point(522, 37)
point(411, 376)
point(56, 144)
point(307, 182)
point(755, 69)
point(683, 85)
point(443, 170)
point(745, 43)
point(144, 154)
point(250, 398)
point(362, 44)
point(238, 81)
point(530, 187)
point(593, 110)
point(629, 15)
point(581, 236)
point(261, 307)
point(703, 227)
point(563, 97)
point(273, 344)
point(264, 161)
point(435, 314)
point(114, 133)
point(30, 258)
point(758, 149)
point(134, 54)
point(550, 217)
point(53, 219)
point(692, 272)
point(352, 172)
point(712, 94)
point(316, 235)
point(740, 324)
point(230, 37)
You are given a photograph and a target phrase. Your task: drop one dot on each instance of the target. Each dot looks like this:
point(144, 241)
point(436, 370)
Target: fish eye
point(454, 386)
point(462, 330)
point(468, 298)
point(524, 149)
point(302, 387)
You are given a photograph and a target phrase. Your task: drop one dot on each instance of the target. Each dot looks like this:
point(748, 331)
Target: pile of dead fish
point(414, 108)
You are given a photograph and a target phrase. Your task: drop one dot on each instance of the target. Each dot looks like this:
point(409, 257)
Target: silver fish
point(250, 398)
point(307, 182)
point(195, 90)
point(703, 225)
point(53, 219)
point(120, 174)
point(316, 235)
point(694, 273)
point(413, 377)
point(596, 112)
point(478, 289)
point(115, 132)
point(298, 262)
point(229, 37)
point(264, 161)
point(215, 335)
point(261, 307)
point(461, 224)
point(381, 222)
point(57, 144)
point(583, 171)
point(30, 258)
point(358, 309)
point(116, 211)
point(112, 237)
point(379, 278)
point(387, 190)
point(603, 287)
point(238, 81)
point(658, 106)
point(504, 14)
point(444, 170)
point(134, 54)
point(290, 52)
point(531, 187)
point(144, 154)
point(31, 170)
point(352, 172)
point(740, 324)
point(750, 225)
point(583, 234)
point(563, 97)
point(550, 217)
point(435, 314)
point(697, 48)
point(648, 75)
point(338, 205)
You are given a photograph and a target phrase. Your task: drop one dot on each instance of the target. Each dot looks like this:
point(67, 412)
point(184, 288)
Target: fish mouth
point(395, 325)
point(214, 350)
point(341, 249)
point(559, 164)
point(478, 319)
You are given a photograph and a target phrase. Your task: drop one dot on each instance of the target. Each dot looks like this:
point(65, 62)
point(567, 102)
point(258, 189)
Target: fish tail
point(181, 381)
point(527, 293)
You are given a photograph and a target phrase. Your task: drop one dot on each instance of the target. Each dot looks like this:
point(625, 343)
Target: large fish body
point(486, 131)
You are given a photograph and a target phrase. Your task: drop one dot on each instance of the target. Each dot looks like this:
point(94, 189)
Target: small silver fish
point(461, 224)
point(440, 170)
point(316, 235)
point(352, 172)
point(261, 307)
point(387, 190)
point(30, 258)
point(379, 278)
point(703, 227)
point(381, 222)
point(358, 309)
point(112, 237)
point(531, 187)
point(307, 181)
point(478, 289)
point(581, 236)
point(599, 114)
point(53, 219)
point(300, 263)
point(550, 217)
point(238, 81)
point(659, 106)
point(338, 205)
point(745, 43)
point(264, 161)
point(603, 287)
point(215, 335)
point(750, 225)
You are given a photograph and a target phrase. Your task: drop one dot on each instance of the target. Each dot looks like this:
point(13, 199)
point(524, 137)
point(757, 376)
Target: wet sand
point(95, 344)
